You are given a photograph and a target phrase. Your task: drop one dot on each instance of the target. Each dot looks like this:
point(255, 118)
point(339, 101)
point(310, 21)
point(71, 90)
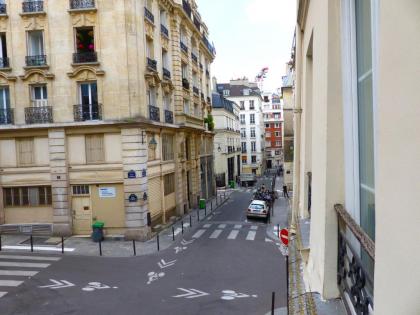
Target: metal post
point(0, 242)
point(273, 297)
point(190, 221)
point(278, 230)
point(157, 240)
point(198, 215)
point(287, 282)
point(100, 247)
point(211, 206)
point(205, 209)
point(62, 244)
point(32, 244)
point(173, 233)
point(134, 248)
point(182, 226)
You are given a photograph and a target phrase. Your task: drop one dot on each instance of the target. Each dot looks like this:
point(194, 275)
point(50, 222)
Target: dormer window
point(246, 91)
point(226, 92)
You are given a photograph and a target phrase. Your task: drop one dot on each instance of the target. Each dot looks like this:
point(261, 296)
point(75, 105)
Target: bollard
point(190, 221)
point(134, 248)
point(211, 206)
point(205, 209)
point(0, 242)
point(100, 247)
point(173, 233)
point(182, 226)
point(32, 244)
point(157, 240)
point(273, 296)
point(198, 215)
point(278, 230)
point(62, 244)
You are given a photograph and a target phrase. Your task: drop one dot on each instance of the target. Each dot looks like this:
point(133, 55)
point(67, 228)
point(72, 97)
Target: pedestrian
point(285, 193)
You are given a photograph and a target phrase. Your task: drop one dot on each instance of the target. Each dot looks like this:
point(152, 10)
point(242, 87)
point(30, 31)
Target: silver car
point(258, 209)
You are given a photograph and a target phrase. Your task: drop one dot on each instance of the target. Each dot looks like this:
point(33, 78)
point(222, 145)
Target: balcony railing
point(154, 113)
point(6, 116)
point(209, 46)
point(194, 57)
point(149, 15)
point(196, 91)
point(85, 57)
point(184, 47)
point(3, 8)
point(151, 64)
point(169, 116)
point(187, 8)
point(354, 281)
point(87, 112)
point(185, 84)
point(32, 6)
point(4, 62)
point(166, 73)
point(197, 22)
point(39, 115)
point(82, 4)
point(164, 30)
point(36, 61)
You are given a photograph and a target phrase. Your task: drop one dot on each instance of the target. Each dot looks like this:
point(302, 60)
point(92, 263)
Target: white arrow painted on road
point(190, 293)
point(184, 242)
point(163, 264)
point(58, 284)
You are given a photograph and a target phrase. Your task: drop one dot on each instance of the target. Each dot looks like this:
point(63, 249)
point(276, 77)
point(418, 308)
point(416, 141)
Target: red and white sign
point(284, 236)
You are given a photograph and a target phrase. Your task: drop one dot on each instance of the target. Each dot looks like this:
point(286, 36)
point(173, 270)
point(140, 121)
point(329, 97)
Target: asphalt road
point(224, 265)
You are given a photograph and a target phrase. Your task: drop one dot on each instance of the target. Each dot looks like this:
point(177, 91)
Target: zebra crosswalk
point(15, 269)
point(229, 232)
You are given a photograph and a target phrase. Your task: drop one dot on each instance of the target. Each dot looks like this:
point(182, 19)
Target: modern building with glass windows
point(102, 107)
point(357, 152)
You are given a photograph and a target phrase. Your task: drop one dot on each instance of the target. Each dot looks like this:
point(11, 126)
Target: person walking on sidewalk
point(285, 193)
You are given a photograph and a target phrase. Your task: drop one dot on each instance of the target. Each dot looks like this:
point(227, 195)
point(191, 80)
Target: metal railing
point(196, 90)
point(209, 46)
point(187, 8)
point(82, 4)
point(3, 8)
point(35, 61)
point(194, 57)
point(6, 116)
point(87, 112)
point(197, 22)
point(353, 280)
point(185, 84)
point(184, 47)
point(169, 116)
point(84, 57)
point(39, 115)
point(151, 64)
point(154, 113)
point(166, 73)
point(32, 6)
point(164, 30)
point(149, 15)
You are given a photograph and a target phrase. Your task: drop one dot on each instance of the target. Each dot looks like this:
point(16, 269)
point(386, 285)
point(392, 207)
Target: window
point(277, 133)
point(268, 134)
point(167, 147)
point(167, 101)
point(85, 40)
point(151, 96)
point(27, 196)
point(35, 43)
point(186, 106)
point(277, 115)
point(4, 62)
point(165, 59)
point(95, 148)
point(276, 125)
point(278, 143)
point(252, 118)
point(242, 118)
point(244, 160)
point(243, 133)
point(253, 146)
point(243, 147)
point(25, 150)
point(39, 96)
point(277, 152)
point(245, 92)
point(169, 184)
point(5, 105)
point(252, 132)
point(80, 190)
point(251, 105)
point(267, 125)
point(253, 159)
point(197, 110)
point(242, 105)
point(149, 49)
point(164, 18)
point(184, 69)
point(226, 92)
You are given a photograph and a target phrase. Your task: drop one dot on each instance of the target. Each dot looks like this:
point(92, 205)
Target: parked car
point(258, 209)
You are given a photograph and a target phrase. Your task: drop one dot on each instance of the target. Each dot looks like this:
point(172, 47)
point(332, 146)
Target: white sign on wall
point(107, 192)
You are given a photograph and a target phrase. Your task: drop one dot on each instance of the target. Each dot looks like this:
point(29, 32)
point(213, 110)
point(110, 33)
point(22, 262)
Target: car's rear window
point(256, 206)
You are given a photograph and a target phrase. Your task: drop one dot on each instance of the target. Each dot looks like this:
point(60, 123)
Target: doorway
point(82, 215)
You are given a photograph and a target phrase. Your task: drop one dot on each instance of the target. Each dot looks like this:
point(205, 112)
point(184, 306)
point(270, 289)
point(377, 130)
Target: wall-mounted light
point(219, 148)
point(152, 143)
point(145, 196)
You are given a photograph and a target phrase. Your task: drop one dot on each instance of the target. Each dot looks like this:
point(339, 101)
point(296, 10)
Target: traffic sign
point(284, 236)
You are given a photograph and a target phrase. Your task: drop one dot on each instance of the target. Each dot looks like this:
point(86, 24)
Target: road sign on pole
point(284, 236)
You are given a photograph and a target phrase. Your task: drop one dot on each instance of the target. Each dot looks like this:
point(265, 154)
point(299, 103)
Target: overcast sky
point(250, 35)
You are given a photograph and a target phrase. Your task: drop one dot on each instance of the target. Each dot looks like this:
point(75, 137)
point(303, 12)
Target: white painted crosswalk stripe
point(198, 233)
point(237, 226)
point(207, 226)
point(23, 264)
point(10, 283)
point(222, 226)
point(233, 234)
point(216, 233)
point(254, 227)
point(2, 294)
point(23, 257)
point(251, 236)
point(22, 273)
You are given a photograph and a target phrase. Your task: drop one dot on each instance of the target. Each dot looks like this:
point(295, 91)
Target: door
point(82, 215)
point(89, 101)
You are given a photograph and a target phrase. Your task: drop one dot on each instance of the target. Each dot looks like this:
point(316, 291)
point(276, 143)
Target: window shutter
point(94, 148)
point(26, 151)
point(154, 193)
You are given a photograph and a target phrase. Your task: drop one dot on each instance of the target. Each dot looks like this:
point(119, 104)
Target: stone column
point(134, 158)
point(62, 220)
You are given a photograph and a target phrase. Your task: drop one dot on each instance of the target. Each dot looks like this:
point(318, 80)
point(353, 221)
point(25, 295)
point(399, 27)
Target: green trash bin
point(202, 203)
point(232, 184)
point(98, 231)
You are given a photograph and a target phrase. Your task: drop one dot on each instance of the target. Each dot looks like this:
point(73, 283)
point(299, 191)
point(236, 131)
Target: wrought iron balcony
point(197, 22)
point(4, 62)
point(85, 57)
point(184, 48)
point(82, 4)
point(196, 90)
point(164, 30)
point(6, 116)
point(32, 6)
point(169, 116)
point(154, 113)
point(87, 112)
point(151, 64)
point(187, 7)
point(39, 115)
point(149, 15)
point(185, 84)
point(209, 46)
point(194, 57)
point(166, 73)
point(36, 61)
point(3, 8)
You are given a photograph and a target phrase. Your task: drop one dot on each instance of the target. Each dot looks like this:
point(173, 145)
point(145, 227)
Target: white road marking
point(10, 283)
point(254, 227)
point(38, 248)
point(21, 257)
point(216, 233)
point(58, 284)
point(190, 293)
point(237, 226)
point(207, 226)
point(198, 233)
point(251, 236)
point(233, 234)
point(18, 264)
point(2, 294)
point(22, 273)
point(222, 226)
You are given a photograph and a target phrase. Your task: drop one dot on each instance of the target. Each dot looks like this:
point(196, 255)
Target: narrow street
point(223, 265)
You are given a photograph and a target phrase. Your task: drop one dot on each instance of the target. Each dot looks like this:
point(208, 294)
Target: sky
point(249, 35)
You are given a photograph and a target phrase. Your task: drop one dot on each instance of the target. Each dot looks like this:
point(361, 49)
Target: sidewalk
point(115, 246)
